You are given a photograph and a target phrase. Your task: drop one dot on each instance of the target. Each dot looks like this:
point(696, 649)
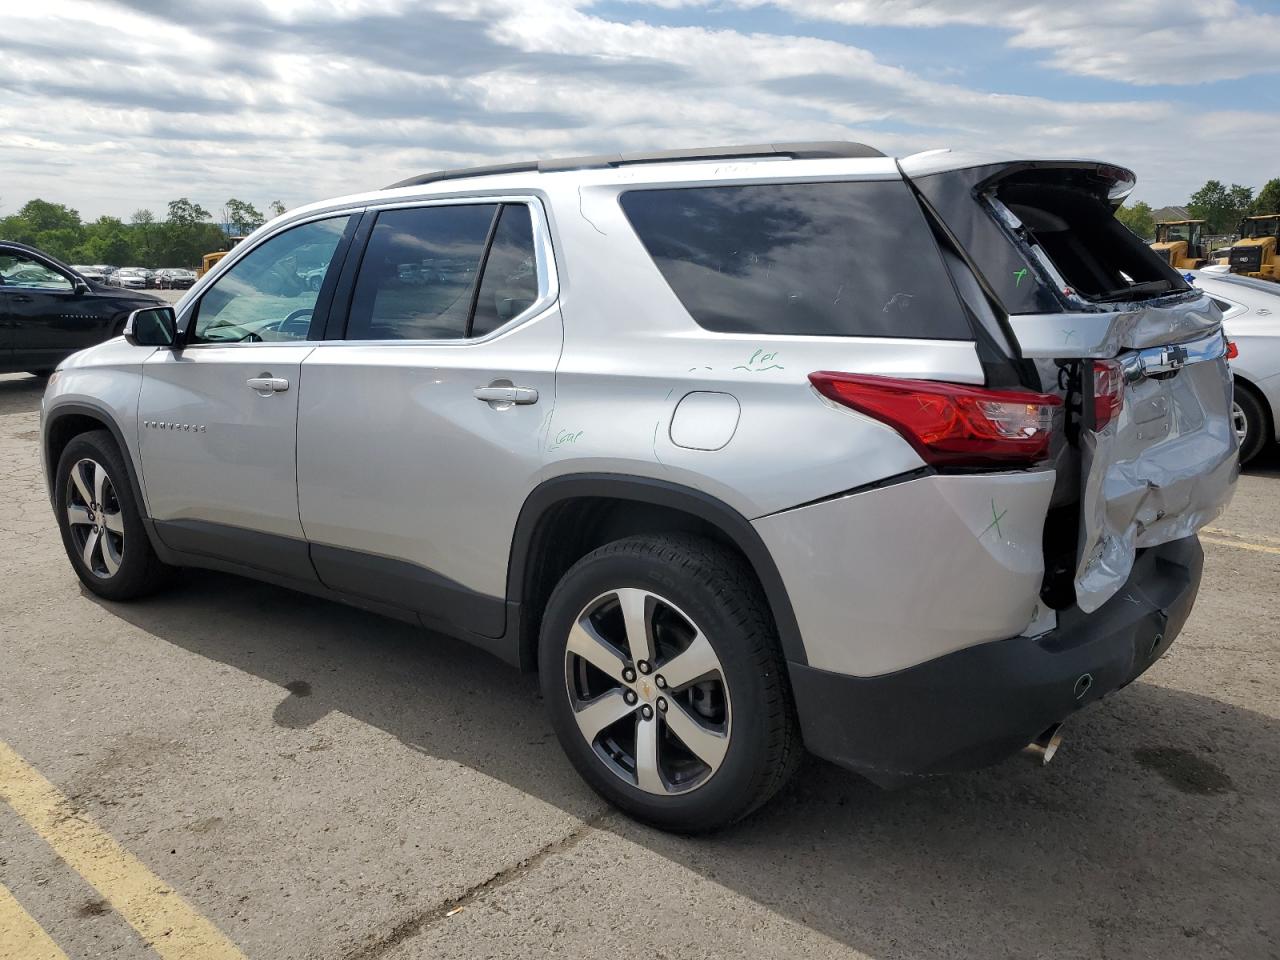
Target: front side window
point(271, 292)
point(418, 275)
point(817, 259)
point(19, 271)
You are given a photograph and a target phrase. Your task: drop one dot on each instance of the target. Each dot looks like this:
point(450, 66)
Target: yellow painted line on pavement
point(1240, 544)
point(21, 938)
point(169, 925)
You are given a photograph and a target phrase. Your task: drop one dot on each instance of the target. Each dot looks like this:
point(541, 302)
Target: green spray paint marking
point(995, 521)
point(1019, 275)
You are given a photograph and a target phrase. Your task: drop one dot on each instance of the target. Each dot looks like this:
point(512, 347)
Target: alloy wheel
point(648, 691)
point(94, 518)
point(1241, 423)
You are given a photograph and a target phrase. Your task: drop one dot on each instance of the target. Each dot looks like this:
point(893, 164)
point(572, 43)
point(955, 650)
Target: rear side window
point(419, 273)
point(510, 282)
point(820, 259)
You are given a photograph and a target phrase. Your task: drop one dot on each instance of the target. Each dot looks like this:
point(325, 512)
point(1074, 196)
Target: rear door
point(420, 429)
point(1138, 354)
point(218, 417)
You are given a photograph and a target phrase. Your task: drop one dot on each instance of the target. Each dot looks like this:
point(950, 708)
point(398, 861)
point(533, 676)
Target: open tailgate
point(1137, 353)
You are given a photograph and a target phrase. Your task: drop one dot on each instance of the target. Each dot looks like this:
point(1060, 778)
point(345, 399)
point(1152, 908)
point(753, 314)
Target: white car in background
point(131, 277)
point(1251, 317)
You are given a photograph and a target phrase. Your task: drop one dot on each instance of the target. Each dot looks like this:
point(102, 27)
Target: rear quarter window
point(850, 259)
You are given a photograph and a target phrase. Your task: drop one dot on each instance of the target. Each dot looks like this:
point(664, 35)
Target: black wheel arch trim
point(102, 415)
point(663, 493)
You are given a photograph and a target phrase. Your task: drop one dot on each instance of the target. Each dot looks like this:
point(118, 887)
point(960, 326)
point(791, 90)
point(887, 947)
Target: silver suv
point(740, 448)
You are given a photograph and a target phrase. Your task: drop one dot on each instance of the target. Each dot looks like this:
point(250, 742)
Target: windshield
point(1261, 228)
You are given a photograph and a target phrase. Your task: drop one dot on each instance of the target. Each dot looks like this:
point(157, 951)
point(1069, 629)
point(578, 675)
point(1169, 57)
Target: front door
point(421, 432)
point(218, 416)
point(45, 316)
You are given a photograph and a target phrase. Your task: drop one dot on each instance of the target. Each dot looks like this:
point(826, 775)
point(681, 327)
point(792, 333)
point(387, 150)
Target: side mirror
point(152, 327)
point(80, 287)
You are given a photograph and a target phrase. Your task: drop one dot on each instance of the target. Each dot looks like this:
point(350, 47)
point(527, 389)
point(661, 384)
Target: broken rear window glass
point(818, 259)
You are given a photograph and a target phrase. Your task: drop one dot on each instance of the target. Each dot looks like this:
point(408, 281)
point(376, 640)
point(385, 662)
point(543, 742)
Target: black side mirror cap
point(81, 287)
point(152, 327)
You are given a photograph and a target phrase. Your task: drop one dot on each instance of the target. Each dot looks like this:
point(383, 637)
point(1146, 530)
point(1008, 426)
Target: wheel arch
point(67, 421)
point(564, 518)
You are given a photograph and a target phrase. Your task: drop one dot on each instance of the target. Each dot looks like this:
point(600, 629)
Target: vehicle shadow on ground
point(1119, 848)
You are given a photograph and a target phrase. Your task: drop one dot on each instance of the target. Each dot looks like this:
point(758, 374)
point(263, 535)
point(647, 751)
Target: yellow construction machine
point(1254, 254)
point(1178, 241)
point(209, 259)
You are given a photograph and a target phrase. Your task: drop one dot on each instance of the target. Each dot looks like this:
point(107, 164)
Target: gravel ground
point(319, 782)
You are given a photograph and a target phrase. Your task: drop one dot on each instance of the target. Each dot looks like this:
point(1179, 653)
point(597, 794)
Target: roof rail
point(813, 150)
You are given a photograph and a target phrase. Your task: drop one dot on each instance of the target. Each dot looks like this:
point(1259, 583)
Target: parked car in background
point(96, 274)
point(134, 278)
point(791, 465)
point(1251, 317)
point(175, 278)
point(48, 310)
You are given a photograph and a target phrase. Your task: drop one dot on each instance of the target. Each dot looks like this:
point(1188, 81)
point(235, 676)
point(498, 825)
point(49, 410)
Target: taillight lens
point(1232, 350)
point(1108, 392)
point(951, 424)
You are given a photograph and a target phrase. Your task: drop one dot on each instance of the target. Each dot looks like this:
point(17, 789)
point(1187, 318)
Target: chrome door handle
point(268, 385)
point(506, 394)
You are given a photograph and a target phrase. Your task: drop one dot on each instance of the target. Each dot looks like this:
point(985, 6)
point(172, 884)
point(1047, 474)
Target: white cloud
point(117, 107)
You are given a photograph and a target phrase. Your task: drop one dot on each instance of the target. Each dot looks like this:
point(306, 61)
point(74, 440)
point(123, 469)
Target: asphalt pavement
point(230, 770)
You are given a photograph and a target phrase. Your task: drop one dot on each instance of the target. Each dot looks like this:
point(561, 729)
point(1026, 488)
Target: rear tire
point(692, 753)
point(1253, 426)
point(101, 521)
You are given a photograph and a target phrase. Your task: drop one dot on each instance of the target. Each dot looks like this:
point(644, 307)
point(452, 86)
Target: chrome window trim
point(543, 251)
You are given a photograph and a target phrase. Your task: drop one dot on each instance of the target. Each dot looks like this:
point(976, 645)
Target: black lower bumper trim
point(981, 704)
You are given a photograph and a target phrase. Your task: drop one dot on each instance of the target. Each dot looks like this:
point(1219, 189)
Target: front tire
point(101, 521)
point(662, 671)
point(1252, 426)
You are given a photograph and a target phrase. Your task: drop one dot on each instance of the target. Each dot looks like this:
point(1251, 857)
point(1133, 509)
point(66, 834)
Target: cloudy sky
point(112, 106)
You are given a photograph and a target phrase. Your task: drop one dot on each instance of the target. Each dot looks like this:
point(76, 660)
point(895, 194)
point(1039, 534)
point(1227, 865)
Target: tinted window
point(510, 282)
point(842, 259)
point(270, 293)
point(418, 274)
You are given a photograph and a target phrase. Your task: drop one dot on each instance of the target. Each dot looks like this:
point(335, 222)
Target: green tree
point(244, 217)
point(184, 213)
point(1221, 206)
point(145, 236)
point(1138, 218)
point(1268, 200)
point(107, 240)
point(52, 227)
point(276, 207)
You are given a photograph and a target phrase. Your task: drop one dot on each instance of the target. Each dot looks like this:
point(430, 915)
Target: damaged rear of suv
point(1131, 365)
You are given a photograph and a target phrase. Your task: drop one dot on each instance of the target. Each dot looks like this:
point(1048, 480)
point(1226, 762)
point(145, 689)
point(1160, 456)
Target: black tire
point(716, 590)
point(139, 571)
point(1257, 423)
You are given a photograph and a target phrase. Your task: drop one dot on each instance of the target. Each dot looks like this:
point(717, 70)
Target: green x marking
point(995, 521)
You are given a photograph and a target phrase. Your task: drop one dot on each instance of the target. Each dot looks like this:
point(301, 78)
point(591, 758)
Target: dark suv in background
point(48, 311)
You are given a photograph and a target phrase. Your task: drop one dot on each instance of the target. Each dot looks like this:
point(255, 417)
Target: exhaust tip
point(1042, 749)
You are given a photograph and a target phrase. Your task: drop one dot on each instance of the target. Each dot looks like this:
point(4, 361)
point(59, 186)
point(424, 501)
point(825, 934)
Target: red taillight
point(1232, 350)
point(951, 424)
point(1108, 392)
